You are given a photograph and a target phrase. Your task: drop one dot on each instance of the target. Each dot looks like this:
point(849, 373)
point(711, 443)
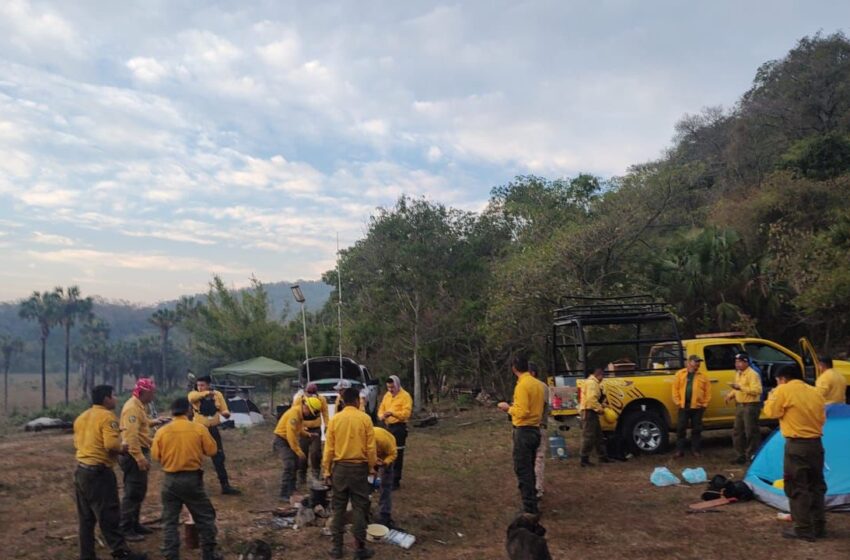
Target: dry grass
point(459, 495)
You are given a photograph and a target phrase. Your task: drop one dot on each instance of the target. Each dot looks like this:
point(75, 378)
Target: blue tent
point(767, 464)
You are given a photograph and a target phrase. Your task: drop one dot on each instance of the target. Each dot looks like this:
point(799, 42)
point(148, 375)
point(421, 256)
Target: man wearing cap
point(746, 392)
point(692, 395)
point(830, 383)
point(590, 408)
point(180, 448)
point(350, 455)
point(311, 440)
point(98, 442)
point(526, 413)
point(387, 452)
point(395, 410)
point(290, 428)
point(207, 406)
point(136, 430)
point(800, 410)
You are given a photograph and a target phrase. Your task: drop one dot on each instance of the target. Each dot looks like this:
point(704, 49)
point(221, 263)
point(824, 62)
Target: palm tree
point(163, 319)
point(72, 307)
point(9, 347)
point(44, 308)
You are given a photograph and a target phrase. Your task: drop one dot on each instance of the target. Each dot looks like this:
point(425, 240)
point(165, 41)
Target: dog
point(526, 539)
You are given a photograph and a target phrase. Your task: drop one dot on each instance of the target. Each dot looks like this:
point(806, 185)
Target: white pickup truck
point(326, 373)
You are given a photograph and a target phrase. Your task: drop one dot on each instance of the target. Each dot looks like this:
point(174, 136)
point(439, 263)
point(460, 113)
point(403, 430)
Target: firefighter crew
point(746, 392)
point(526, 413)
point(387, 452)
point(395, 410)
point(350, 455)
point(288, 432)
point(98, 442)
point(800, 410)
point(136, 431)
point(208, 406)
point(180, 448)
point(540, 457)
point(590, 408)
point(830, 383)
point(692, 395)
point(311, 440)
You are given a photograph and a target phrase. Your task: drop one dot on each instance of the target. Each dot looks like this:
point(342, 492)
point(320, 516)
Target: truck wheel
point(646, 432)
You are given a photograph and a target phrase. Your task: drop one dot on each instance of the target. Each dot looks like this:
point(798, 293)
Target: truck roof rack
point(611, 308)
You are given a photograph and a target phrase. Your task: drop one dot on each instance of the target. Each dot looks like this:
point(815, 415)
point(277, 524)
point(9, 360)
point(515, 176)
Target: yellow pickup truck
point(638, 346)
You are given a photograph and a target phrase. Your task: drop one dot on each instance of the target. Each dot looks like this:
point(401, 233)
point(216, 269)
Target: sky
point(145, 146)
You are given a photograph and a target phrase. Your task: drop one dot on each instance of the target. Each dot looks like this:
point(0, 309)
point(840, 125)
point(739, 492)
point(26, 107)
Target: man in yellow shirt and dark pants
point(395, 410)
point(137, 433)
point(526, 413)
point(800, 410)
point(290, 428)
point(387, 452)
point(691, 395)
point(746, 392)
point(590, 408)
point(830, 383)
point(208, 405)
point(350, 455)
point(98, 443)
point(180, 447)
point(311, 439)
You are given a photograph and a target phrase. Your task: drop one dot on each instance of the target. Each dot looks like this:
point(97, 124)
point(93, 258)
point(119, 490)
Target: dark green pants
point(526, 442)
point(349, 483)
point(692, 416)
point(592, 437)
point(746, 436)
point(312, 448)
point(805, 485)
point(186, 488)
point(290, 463)
point(97, 503)
point(218, 458)
point(135, 489)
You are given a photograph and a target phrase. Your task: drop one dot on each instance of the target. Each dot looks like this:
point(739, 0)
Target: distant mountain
point(130, 320)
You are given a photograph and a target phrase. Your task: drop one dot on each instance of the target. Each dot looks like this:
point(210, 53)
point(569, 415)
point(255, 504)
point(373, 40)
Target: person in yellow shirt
point(830, 383)
point(98, 442)
point(288, 432)
point(590, 408)
point(137, 432)
point(800, 410)
point(387, 452)
point(180, 448)
point(311, 440)
point(350, 455)
point(395, 410)
point(691, 395)
point(746, 392)
point(526, 413)
point(208, 406)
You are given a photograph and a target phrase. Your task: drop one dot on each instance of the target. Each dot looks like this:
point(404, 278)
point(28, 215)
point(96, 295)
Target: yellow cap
point(779, 483)
point(314, 404)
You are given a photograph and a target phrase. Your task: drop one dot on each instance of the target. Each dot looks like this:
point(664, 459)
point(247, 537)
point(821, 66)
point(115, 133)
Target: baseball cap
point(342, 384)
point(742, 356)
point(311, 388)
point(694, 358)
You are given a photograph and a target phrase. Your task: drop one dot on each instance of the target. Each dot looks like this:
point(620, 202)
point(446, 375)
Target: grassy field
point(458, 497)
point(25, 390)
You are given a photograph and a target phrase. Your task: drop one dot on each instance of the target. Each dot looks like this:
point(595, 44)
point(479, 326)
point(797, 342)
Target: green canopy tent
point(260, 368)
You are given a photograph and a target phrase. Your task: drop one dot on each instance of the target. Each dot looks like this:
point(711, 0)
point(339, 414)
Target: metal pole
point(306, 354)
point(339, 302)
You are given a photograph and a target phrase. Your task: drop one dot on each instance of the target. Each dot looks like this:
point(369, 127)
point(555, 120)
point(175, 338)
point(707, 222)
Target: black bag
point(717, 483)
point(207, 406)
point(738, 489)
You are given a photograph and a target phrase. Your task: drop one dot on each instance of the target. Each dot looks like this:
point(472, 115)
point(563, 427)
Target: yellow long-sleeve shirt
point(181, 445)
point(96, 436)
point(799, 408)
point(591, 391)
point(401, 405)
point(290, 427)
point(832, 386)
point(350, 438)
point(700, 390)
point(317, 421)
point(136, 427)
point(750, 386)
point(527, 408)
point(385, 446)
point(196, 397)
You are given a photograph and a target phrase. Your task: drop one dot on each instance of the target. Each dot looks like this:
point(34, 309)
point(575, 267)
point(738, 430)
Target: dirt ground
point(459, 494)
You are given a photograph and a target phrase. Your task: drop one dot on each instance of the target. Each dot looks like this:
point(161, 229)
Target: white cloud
point(148, 262)
point(42, 195)
point(51, 239)
point(146, 69)
point(34, 28)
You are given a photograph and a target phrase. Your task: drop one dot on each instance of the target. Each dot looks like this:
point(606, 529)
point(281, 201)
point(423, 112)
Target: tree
point(92, 353)
point(45, 308)
point(164, 319)
point(9, 346)
point(71, 308)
